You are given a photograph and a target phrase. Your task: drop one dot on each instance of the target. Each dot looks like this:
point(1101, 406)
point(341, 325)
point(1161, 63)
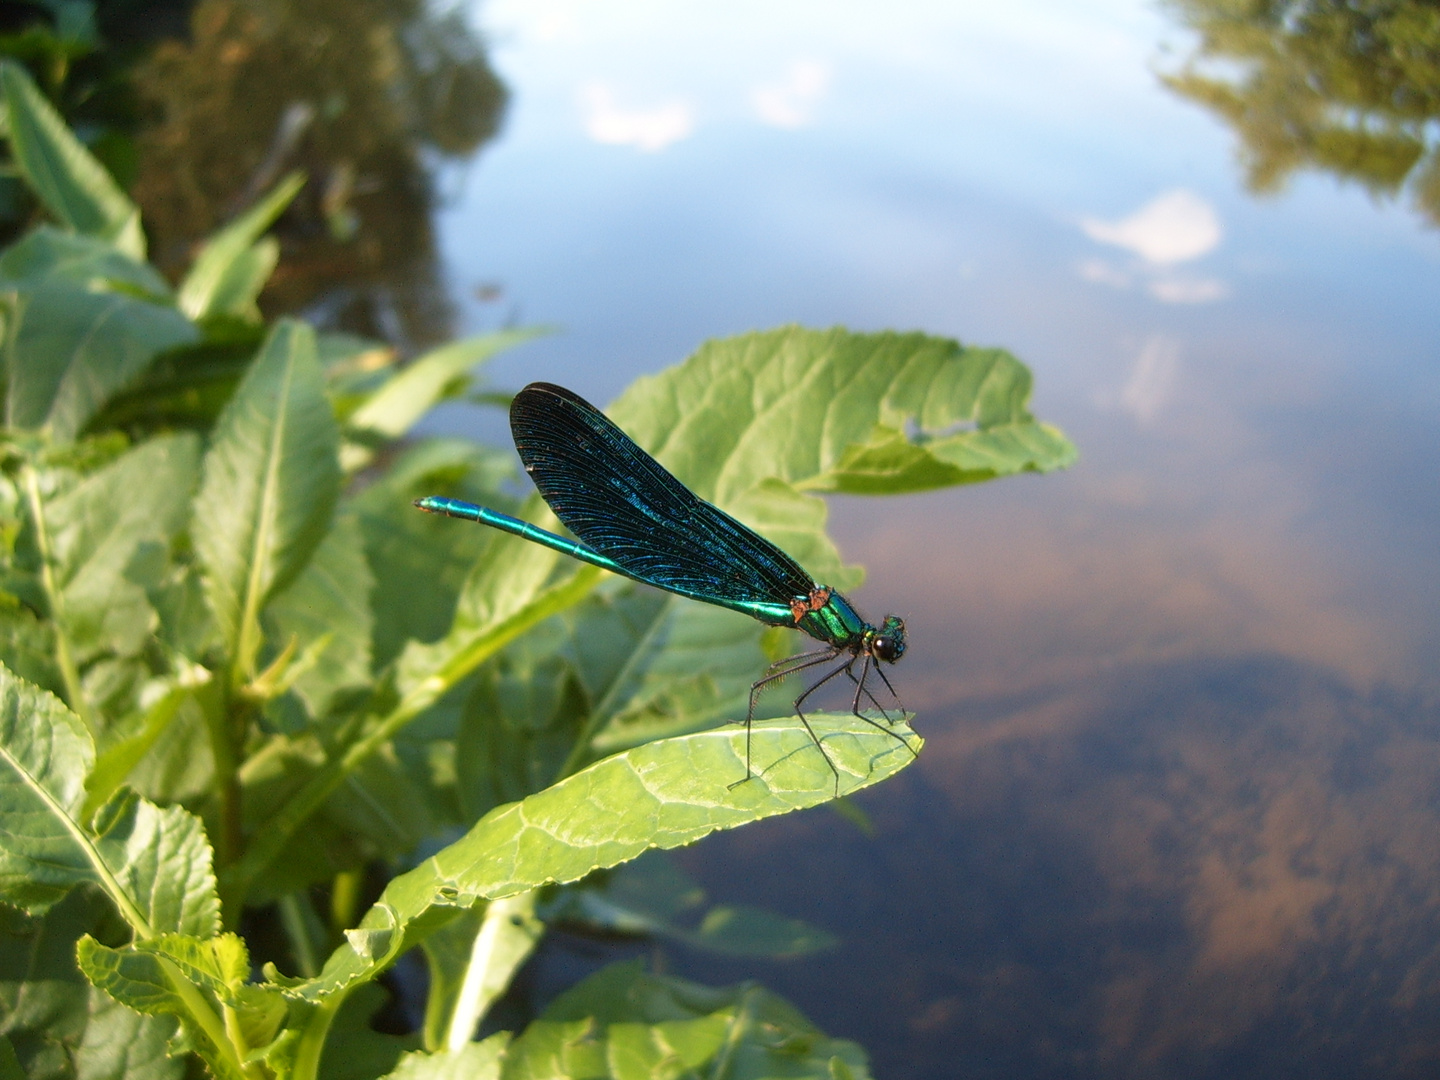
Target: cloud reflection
point(1152, 380)
point(645, 129)
point(1174, 227)
point(791, 102)
point(1188, 290)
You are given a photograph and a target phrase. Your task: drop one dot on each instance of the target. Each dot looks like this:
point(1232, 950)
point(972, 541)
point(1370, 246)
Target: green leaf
point(178, 767)
point(148, 982)
point(506, 593)
point(447, 959)
point(831, 410)
point(271, 481)
point(419, 561)
point(519, 722)
point(153, 863)
point(160, 859)
point(220, 964)
point(664, 794)
point(101, 529)
point(45, 754)
point(27, 645)
point(740, 930)
point(130, 742)
point(650, 895)
point(232, 268)
point(413, 391)
point(311, 855)
point(60, 1027)
point(186, 387)
point(46, 254)
point(65, 176)
point(328, 608)
point(473, 1061)
point(643, 1026)
point(69, 351)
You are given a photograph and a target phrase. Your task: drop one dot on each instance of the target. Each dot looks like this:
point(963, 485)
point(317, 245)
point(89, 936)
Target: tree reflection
point(1348, 86)
point(361, 95)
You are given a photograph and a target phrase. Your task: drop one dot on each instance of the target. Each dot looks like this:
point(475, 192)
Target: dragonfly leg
point(861, 688)
point(868, 666)
point(799, 701)
point(777, 671)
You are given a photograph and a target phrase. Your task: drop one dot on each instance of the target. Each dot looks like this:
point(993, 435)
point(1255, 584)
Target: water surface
point(1177, 815)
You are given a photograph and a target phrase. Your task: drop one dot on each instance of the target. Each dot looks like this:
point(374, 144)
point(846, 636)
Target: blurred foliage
point(357, 94)
point(1350, 87)
point(199, 108)
point(79, 52)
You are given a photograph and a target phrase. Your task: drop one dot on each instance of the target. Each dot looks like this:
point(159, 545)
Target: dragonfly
point(633, 518)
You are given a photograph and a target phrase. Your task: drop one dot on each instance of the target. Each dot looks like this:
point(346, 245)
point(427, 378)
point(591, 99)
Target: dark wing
point(620, 501)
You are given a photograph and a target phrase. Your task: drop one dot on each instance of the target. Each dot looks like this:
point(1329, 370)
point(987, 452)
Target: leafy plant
point(241, 673)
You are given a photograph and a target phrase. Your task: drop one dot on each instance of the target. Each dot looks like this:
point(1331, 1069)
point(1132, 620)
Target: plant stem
point(64, 656)
point(218, 705)
point(344, 900)
point(306, 1065)
point(508, 935)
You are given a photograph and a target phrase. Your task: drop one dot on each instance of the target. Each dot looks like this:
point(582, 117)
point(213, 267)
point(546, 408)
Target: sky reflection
point(1177, 815)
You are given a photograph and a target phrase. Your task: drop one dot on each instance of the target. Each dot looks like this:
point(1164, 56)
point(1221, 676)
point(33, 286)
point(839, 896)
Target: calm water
point(1179, 814)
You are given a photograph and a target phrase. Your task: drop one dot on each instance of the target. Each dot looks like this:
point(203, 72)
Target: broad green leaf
point(651, 665)
point(186, 387)
point(271, 481)
point(60, 1026)
point(643, 1051)
point(652, 896)
point(420, 561)
point(507, 592)
point(220, 965)
point(121, 1043)
point(147, 982)
point(327, 608)
point(414, 390)
point(643, 1026)
point(523, 715)
point(47, 254)
point(65, 176)
point(665, 794)
point(383, 806)
point(231, 268)
point(556, 1050)
point(831, 410)
point(27, 645)
point(126, 744)
point(473, 1061)
point(153, 863)
point(180, 765)
point(100, 531)
point(71, 350)
point(45, 754)
point(160, 859)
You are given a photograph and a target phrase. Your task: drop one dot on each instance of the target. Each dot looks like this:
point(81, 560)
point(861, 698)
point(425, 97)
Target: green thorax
point(835, 622)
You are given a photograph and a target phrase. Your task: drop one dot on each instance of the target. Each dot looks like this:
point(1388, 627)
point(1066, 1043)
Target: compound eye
point(887, 649)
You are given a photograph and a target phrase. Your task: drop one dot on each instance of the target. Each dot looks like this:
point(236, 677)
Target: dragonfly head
point(888, 643)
